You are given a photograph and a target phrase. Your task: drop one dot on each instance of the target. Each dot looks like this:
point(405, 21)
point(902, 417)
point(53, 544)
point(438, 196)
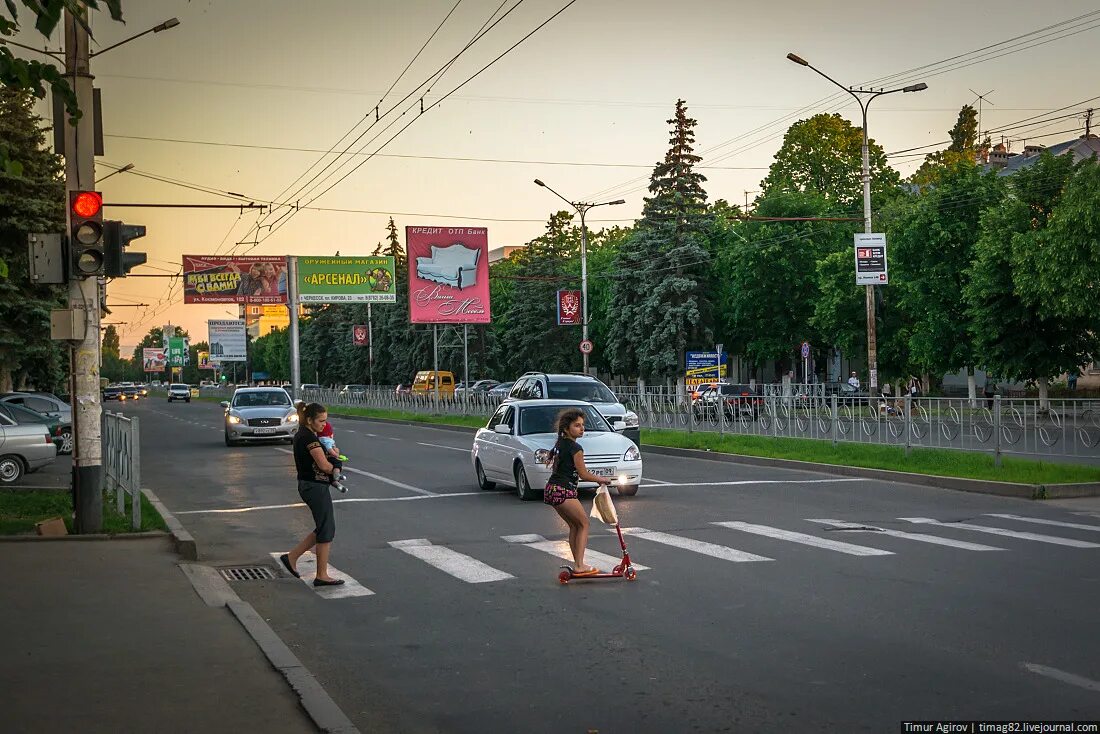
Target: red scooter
point(624, 570)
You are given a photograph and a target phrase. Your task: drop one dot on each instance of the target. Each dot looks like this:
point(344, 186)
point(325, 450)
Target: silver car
point(25, 447)
point(43, 403)
point(259, 414)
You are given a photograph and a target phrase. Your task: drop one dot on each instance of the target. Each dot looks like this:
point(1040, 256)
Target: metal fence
point(122, 462)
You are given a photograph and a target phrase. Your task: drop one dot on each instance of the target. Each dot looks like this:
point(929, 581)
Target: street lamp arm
point(555, 193)
point(170, 23)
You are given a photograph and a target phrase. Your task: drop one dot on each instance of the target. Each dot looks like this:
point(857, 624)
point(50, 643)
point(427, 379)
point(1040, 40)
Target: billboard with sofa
point(448, 275)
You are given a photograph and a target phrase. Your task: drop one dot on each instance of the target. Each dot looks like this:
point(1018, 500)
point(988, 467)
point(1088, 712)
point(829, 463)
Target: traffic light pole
point(84, 297)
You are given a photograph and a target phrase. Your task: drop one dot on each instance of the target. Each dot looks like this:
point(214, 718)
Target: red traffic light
point(87, 204)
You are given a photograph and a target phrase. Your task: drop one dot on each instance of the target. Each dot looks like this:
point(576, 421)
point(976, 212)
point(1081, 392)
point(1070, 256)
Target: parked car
point(179, 391)
point(259, 414)
point(41, 403)
point(735, 400)
point(354, 391)
point(308, 386)
point(24, 448)
point(112, 392)
point(480, 387)
point(61, 433)
point(500, 391)
point(514, 448)
point(540, 385)
point(698, 390)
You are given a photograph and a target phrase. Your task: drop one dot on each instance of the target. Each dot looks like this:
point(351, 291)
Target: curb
point(981, 486)
point(52, 489)
point(95, 536)
point(185, 542)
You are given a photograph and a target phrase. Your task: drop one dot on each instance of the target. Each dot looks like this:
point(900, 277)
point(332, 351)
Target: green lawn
point(19, 511)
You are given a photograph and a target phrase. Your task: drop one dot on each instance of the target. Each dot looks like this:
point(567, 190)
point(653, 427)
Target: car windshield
point(544, 419)
point(258, 399)
point(178, 387)
point(589, 391)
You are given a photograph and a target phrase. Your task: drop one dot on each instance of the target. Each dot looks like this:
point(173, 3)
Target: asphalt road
point(837, 630)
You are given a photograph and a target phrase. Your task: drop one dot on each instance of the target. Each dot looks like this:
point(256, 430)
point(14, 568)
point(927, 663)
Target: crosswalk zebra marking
point(697, 546)
point(1041, 521)
point(307, 570)
point(935, 540)
point(461, 566)
point(560, 548)
point(834, 545)
point(1002, 531)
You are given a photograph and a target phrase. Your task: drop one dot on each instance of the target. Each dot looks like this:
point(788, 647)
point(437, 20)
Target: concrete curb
point(185, 542)
point(95, 536)
point(52, 489)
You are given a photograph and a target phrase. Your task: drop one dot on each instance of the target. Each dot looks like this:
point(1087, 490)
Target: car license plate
point(264, 430)
point(602, 472)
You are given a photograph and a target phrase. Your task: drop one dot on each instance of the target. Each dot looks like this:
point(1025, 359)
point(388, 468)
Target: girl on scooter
point(567, 469)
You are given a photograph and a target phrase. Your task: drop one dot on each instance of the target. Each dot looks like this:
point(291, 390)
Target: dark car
point(112, 393)
point(736, 401)
point(61, 433)
point(131, 393)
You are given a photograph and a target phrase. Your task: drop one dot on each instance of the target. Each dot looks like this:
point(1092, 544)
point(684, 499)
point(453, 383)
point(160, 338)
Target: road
point(773, 621)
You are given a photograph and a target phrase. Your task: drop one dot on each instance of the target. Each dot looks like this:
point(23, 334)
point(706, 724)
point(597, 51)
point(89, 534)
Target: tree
point(963, 148)
point(660, 295)
point(110, 342)
point(30, 202)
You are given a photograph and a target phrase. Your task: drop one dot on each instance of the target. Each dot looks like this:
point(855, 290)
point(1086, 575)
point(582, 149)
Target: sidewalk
point(110, 636)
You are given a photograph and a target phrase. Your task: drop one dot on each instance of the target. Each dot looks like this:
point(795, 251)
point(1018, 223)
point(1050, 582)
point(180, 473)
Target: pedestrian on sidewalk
point(567, 469)
point(854, 380)
point(314, 475)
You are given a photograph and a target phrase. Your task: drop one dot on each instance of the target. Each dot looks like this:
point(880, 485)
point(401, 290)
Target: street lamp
point(124, 169)
point(582, 208)
point(871, 94)
point(170, 23)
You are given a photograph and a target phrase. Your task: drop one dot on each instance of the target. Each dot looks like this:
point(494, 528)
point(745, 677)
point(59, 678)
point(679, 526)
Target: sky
point(596, 85)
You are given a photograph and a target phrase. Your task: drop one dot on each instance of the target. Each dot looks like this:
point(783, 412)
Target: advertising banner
point(154, 359)
point(204, 361)
point(227, 340)
point(234, 279)
point(701, 368)
point(177, 351)
point(448, 275)
point(346, 280)
point(871, 259)
point(569, 308)
point(360, 335)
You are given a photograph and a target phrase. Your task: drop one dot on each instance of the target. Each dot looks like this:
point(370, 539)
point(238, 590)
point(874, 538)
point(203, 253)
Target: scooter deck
point(567, 575)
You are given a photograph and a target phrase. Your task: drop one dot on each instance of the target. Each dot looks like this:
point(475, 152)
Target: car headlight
point(291, 418)
point(234, 419)
point(632, 454)
point(631, 419)
point(544, 456)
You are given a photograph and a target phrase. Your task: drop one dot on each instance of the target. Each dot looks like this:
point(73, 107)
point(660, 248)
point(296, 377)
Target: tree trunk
point(1044, 394)
point(5, 379)
point(971, 387)
point(926, 383)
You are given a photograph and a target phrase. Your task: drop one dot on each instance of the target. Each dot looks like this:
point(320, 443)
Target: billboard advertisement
point(177, 351)
point(360, 335)
point(448, 275)
point(569, 308)
point(154, 359)
point(227, 340)
point(204, 361)
point(234, 279)
point(871, 268)
point(346, 280)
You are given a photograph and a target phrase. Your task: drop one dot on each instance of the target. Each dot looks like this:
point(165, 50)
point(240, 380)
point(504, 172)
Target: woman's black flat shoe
point(286, 562)
point(322, 582)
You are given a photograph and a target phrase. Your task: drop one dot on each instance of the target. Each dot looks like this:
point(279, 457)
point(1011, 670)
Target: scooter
point(624, 570)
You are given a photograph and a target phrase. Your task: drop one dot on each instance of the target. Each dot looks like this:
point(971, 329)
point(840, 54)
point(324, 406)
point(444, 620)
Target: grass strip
point(19, 511)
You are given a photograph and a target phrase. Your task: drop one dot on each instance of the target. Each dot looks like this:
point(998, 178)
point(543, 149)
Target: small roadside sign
point(805, 350)
point(870, 252)
point(586, 346)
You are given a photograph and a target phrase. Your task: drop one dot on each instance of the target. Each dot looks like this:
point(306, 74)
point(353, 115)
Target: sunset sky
point(595, 86)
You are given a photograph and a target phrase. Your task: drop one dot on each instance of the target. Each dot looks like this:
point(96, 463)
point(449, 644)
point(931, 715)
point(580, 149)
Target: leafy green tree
point(963, 148)
point(110, 346)
point(660, 295)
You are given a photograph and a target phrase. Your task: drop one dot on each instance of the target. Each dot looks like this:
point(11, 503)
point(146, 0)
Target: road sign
point(805, 350)
point(870, 251)
point(586, 346)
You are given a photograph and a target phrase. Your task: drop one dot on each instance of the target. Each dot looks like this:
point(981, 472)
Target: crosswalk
point(942, 533)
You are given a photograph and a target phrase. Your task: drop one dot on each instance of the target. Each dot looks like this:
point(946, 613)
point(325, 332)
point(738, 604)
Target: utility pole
point(84, 293)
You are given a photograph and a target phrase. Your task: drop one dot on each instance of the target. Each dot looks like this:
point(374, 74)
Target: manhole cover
point(247, 573)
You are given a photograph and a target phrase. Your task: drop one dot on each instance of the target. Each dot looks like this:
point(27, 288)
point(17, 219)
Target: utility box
point(46, 258)
point(67, 324)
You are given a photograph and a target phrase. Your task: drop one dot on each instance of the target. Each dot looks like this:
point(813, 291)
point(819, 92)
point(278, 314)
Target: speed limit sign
point(586, 346)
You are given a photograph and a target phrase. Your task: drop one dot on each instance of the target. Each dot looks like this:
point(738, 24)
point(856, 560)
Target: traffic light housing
point(86, 234)
point(116, 238)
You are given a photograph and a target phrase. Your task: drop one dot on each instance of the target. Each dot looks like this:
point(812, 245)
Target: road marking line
point(441, 446)
point(761, 481)
point(560, 548)
point(657, 481)
point(1073, 680)
point(307, 570)
point(379, 478)
point(835, 545)
point(1002, 531)
point(935, 540)
point(697, 546)
point(1039, 521)
point(461, 566)
point(235, 510)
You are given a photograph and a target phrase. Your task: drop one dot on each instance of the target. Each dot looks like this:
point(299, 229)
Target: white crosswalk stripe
point(812, 540)
point(935, 540)
point(1042, 521)
point(1054, 540)
point(560, 548)
point(307, 570)
point(461, 566)
point(698, 546)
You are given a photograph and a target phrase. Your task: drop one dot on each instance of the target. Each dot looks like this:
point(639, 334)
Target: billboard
point(234, 279)
point(177, 351)
point(871, 259)
point(569, 308)
point(204, 361)
point(360, 335)
point(227, 340)
point(154, 359)
point(448, 275)
point(346, 280)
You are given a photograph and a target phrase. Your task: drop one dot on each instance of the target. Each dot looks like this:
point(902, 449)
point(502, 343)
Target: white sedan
point(514, 445)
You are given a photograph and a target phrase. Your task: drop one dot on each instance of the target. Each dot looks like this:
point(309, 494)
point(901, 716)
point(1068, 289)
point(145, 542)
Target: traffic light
point(86, 233)
point(116, 238)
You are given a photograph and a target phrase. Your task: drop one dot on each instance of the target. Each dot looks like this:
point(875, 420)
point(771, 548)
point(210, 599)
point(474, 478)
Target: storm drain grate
point(247, 573)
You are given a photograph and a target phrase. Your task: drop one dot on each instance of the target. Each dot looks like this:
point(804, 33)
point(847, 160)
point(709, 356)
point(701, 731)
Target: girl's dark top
point(305, 441)
point(564, 473)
